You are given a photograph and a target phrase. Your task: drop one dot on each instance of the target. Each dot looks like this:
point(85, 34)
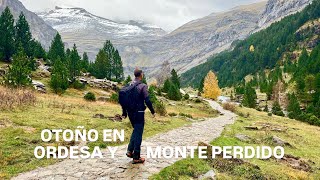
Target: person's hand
point(154, 115)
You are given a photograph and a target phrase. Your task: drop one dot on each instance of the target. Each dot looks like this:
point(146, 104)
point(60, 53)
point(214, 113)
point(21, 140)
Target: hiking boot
point(138, 161)
point(129, 154)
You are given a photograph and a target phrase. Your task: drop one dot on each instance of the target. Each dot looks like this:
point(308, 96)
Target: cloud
point(168, 14)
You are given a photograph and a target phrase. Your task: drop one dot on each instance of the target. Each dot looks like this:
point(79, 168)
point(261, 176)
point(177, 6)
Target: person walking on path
point(136, 97)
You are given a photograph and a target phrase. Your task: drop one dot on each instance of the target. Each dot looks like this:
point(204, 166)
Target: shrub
point(90, 96)
point(13, 98)
point(229, 106)
point(186, 96)
point(198, 100)
point(160, 108)
point(114, 98)
point(313, 120)
point(172, 114)
point(78, 85)
point(269, 114)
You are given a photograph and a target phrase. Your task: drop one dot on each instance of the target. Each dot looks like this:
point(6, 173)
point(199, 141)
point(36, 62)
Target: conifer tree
point(276, 109)
point(101, 67)
point(293, 108)
point(85, 61)
point(56, 49)
point(59, 77)
point(23, 35)
point(38, 51)
point(7, 43)
point(211, 87)
point(174, 93)
point(200, 89)
point(166, 86)
point(128, 80)
point(175, 78)
point(19, 73)
point(74, 64)
point(250, 96)
point(118, 68)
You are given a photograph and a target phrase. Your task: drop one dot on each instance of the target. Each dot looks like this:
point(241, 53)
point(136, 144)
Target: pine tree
point(175, 78)
point(101, 67)
point(174, 93)
point(74, 64)
point(23, 35)
point(211, 86)
point(250, 96)
point(38, 51)
point(56, 49)
point(7, 48)
point(59, 77)
point(85, 62)
point(200, 89)
point(110, 52)
point(166, 86)
point(118, 68)
point(128, 80)
point(19, 73)
point(276, 109)
point(293, 108)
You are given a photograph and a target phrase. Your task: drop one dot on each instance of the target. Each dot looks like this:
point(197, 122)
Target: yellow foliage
point(211, 87)
point(252, 48)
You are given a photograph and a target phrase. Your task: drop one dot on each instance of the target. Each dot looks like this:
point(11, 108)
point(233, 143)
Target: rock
point(172, 104)
point(182, 92)
point(296, 163)
point(2, 72)
point(243, 137)
point(251, 128)
point(104, 98)
point(209, 175)
point(99, 116)
point(116, 118)
point(190, 105)
point(39, 86)
point(280, 142)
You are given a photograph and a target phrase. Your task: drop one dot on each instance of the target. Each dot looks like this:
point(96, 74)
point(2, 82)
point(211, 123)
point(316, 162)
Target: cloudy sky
point(167, 14)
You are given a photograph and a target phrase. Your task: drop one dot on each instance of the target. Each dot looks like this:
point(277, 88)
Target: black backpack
point(129, 97)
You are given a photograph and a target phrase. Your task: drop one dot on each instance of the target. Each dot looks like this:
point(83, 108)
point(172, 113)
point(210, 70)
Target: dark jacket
point(143, 100)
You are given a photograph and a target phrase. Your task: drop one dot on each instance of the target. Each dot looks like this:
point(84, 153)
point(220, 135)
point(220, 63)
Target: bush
point(160, 108)
point(12, 98)
point(78, 85)
point(114, 98)
point(229, 106)
point(198, 100)
point(186, 96)
point(313, 120)
point(172, 114)
point(269, 114)
point(90, 96)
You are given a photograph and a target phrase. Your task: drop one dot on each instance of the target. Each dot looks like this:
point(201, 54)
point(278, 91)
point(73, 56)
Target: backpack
point(129, 97)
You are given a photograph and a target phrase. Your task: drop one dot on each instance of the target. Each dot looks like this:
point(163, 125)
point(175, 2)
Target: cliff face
point(39, 29)
point(277, 9)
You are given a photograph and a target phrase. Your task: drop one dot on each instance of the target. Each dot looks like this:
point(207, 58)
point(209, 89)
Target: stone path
point(122, 168)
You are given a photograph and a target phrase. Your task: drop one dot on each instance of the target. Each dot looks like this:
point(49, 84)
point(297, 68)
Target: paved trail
point(121, 167)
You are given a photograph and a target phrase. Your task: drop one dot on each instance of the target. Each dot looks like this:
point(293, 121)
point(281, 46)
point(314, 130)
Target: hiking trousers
point(137, 122)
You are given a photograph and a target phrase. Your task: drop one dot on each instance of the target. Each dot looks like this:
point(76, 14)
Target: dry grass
point(11, 99)
point(229, 106)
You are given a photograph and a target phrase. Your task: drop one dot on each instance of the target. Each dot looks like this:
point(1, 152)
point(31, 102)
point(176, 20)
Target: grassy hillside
point(303, 139)
point(269, 46)
point(20, 127)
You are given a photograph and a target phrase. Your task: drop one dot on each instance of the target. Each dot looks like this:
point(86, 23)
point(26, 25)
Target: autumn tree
point(211, 87)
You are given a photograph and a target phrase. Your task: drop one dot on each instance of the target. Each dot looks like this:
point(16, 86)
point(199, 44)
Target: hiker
point(133, 99)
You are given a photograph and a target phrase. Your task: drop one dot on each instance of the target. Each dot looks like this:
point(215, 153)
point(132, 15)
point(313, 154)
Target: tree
point(200, 89)
point(117, 67)
point(250, 96)
point(23, 35)
point(174, 93)
point(211, 87)
point(85, 62)
point(74, 64)
point(166, 86)
point(6, 35)
point(59, 77)
point(19, 73)
point(175, 78)
point(56, 49)
point(128, 80)
point(293, 108)
point(38, 51)
point(101, 67)
point(276, 109)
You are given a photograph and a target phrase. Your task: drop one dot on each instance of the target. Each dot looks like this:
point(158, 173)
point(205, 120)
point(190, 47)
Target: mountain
point(277, 9)
point(273, 46)
point(195, 41)
point(40, 30)
point(89, 32)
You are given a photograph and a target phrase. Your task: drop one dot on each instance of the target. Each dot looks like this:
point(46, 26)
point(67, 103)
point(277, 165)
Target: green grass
point(303, 137)
point(20, 128)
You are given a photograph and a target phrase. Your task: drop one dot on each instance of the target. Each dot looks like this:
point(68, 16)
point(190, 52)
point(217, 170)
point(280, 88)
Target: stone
point(243, 137)
point(280, 142)
point(209, 175)
point(99, 116)
point(39, 86)
point(104, 98)
point(2, 72)
point(251, 128)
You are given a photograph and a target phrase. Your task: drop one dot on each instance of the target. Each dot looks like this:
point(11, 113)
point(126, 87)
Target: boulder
point(280, 142)
point(39, 86)
point(209, 175)
point(243, 137)
point(99, 116)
